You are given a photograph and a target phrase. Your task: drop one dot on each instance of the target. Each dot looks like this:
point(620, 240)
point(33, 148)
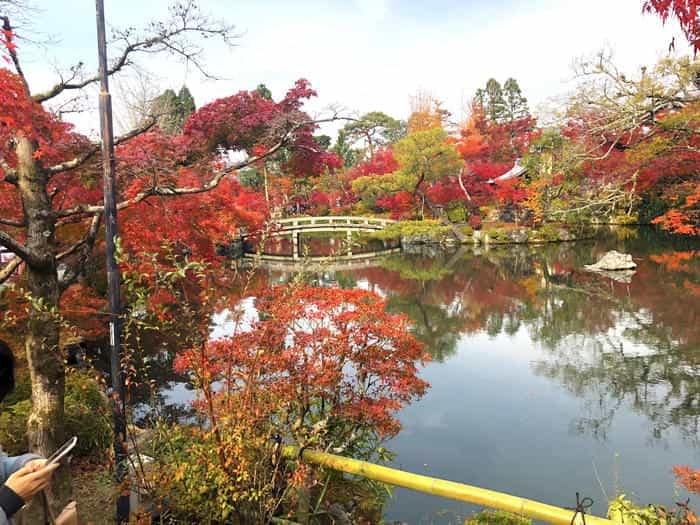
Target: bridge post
point(295, 245)
point(348, 236)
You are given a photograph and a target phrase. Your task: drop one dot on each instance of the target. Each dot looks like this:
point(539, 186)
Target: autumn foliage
point(320, 367)
point(331, 356)
point(688, 478)
point(687, 12)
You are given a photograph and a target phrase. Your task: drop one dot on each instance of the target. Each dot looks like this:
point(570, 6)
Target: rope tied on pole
point(582, 505)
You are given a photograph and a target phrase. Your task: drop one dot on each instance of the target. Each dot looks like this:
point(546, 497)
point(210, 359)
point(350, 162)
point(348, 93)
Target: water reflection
point(605, 341)
point(626, 353)
point(542, 369)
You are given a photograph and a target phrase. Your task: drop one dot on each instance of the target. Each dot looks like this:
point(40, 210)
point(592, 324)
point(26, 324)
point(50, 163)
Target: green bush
point(497, 235)
point(457, 214)
point(651, 206)
point(547, 232)
point(623, 510)
point(87, 416)
point(432, 229)
point(624, 219)
point(467, 230)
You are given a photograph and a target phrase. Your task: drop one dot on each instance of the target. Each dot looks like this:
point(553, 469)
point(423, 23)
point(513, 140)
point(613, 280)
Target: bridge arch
point(296, 226)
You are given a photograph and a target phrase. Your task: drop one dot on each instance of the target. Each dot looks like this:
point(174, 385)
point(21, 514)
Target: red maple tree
point(169, 187)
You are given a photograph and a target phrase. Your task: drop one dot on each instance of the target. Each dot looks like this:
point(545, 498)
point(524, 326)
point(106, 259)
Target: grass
point(96, 493)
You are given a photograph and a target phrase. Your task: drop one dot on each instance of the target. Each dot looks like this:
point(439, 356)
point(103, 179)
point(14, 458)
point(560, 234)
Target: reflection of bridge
point(285, 263)
point(295, 226)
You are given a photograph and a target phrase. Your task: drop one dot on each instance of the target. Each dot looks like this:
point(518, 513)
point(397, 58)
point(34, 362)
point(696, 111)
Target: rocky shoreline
point(502, 235)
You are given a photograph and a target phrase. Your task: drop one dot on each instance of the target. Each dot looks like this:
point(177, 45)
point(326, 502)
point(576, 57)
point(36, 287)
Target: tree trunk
point(46, 369)
point(439, 214)
point(461, 185)
point(267, 193)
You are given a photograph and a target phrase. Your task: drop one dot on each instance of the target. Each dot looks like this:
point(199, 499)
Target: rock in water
point(613, 261)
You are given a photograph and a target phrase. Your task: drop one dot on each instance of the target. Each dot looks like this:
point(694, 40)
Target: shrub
point(547, 233)
point(625, 220)
point(432, 229)
point(467, 230)
point(622, 510)
point(234, 479)
point(87, 416)
point(497, 235)
point(320, 367)
point(457, 214)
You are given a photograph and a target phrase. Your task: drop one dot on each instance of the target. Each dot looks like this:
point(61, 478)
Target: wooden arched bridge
point(296, 226)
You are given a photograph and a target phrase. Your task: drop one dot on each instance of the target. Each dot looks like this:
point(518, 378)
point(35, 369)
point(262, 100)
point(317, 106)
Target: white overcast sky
point(370, 55)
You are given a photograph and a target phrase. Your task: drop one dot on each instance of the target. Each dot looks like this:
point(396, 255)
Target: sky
point(366, 55)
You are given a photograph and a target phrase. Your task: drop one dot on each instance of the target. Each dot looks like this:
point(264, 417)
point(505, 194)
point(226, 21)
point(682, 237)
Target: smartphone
point(62, 451)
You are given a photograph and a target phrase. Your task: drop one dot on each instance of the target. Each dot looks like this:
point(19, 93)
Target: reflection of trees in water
point(436, 316)
point(611, 344)
point(633, 345)
point(433, 325)
point(663, 386)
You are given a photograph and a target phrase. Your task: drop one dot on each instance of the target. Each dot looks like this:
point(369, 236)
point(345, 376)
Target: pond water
point(547, 379)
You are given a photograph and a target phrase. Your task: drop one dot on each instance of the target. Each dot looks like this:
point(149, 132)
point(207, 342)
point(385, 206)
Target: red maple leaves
point(685, 11)
point(324, 353)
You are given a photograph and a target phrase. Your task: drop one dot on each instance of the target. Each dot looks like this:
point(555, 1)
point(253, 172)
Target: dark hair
point(7, 370)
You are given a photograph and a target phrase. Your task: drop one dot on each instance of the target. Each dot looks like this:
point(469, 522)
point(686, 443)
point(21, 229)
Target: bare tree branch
point(86, 209)
point(16, 247)
point(95, 147)
point(13, 224)
point(84, 247)
point(160, 37)
point(9, 269)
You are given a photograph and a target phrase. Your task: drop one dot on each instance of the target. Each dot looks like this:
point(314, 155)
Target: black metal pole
point(113, 277)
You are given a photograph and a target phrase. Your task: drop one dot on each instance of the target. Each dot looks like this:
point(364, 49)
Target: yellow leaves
point(427, 154)
point(648, 150)
point(426, 112)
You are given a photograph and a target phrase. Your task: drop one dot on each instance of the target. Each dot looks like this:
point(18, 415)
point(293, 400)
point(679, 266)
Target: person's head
point(7, 370)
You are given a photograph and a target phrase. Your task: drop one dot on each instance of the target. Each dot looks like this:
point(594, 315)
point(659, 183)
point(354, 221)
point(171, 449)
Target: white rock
point(613, 261)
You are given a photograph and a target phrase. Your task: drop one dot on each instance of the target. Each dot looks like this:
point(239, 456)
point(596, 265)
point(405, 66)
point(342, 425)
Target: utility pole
point(113, 277)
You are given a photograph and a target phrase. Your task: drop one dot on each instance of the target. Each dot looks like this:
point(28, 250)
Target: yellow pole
point(446, 489)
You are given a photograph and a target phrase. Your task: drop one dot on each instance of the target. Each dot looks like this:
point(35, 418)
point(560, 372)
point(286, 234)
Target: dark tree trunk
point(47, 373)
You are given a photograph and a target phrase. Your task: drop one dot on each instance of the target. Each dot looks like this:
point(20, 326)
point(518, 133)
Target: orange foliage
point(426, 112)
point(685, 219)
point(688, 478)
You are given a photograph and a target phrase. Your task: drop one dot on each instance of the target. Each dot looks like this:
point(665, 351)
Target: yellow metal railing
point(446, 489)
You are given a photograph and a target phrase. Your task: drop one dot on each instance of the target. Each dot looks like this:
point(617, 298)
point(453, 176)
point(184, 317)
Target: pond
point(547, 379)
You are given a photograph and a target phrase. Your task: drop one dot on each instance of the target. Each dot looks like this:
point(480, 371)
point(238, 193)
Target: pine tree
point(171, 110)
point(515, 103)
point(495, 105)
point(185, 105)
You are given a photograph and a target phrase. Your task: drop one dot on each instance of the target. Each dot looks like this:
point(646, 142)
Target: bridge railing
point(300, 222)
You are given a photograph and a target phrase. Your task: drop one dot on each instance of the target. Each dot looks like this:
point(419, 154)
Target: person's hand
point(32, 478)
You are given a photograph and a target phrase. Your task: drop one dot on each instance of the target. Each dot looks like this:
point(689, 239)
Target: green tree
point(516, 107)
point(423, 157)
point(495, 105)
point(376, 129)
point(171, 110)
point(324, 141)
point(343, 148)
point(164, 109)
point(185, 104)
point(426, 156)
point(264, 92)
